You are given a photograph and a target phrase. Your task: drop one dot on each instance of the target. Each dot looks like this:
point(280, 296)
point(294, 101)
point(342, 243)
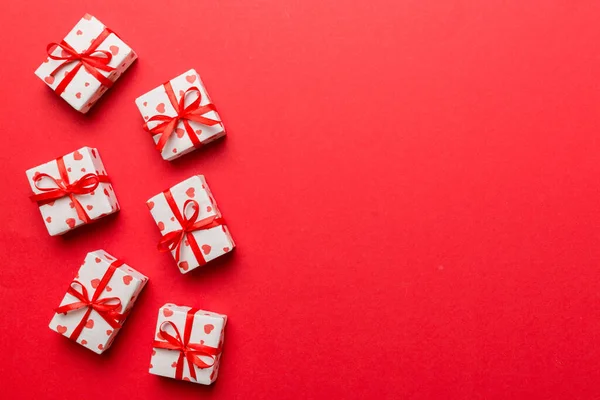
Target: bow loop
point(173, 240)
point(63, 187)
point(91, 59)
point(84, 185)
point(192, 112)
point(108, 307)
point(192, 352)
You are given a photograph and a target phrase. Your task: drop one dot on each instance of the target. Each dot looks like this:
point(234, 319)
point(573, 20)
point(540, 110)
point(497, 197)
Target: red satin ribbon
point(106, 307)
point(85, 185)
point(173, 240)
point(91, 59)
point(188, 351)
point(193, 112)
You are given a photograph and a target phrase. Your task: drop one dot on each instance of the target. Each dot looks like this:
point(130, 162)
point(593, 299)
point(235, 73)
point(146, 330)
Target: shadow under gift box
point(62, 214)
point(105, 57)
point(101, 297)
point(196, 247)
point(162, 104)
point(201, 332)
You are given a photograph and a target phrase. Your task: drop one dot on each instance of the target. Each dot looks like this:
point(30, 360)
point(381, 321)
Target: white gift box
point(212, 242)
point(157, 103)
point(61, 215)
point(125, 285)
point(85, 89)
point(207, 329)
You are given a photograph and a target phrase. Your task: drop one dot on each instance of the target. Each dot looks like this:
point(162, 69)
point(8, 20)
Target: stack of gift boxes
point(75, 189)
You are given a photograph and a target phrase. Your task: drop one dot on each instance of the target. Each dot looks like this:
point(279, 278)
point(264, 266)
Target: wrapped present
point(191, 224)
point(98, 301)
point(72, 190)
point(85, 63)
point(188, 344)
point(180, 116)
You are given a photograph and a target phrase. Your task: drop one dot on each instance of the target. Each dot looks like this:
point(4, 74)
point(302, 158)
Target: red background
point(412, 185)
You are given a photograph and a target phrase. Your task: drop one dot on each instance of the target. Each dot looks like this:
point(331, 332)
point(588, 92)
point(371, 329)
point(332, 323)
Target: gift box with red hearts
point(180, 116)
point(192, 226)
point(85, 63)
point(188, 344)
point(98, 301)
point(72, 190)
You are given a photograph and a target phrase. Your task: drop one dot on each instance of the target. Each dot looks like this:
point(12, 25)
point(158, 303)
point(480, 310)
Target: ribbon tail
point(166, 134)
point(191, 366)
point(104, 81)
point(191, 134)
point(81, 325)
point(195, 249)
point(67, 79)
point(80, 211)
point(179, 369)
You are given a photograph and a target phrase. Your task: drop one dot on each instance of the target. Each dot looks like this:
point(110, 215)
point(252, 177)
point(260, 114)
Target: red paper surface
point(412, 185)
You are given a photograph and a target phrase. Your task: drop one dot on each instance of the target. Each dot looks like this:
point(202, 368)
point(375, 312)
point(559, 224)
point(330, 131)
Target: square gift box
point(85, 63)
point(72, 190)
point(200, 333)
point(98, 301)
point(180, 116)
point(191, 224)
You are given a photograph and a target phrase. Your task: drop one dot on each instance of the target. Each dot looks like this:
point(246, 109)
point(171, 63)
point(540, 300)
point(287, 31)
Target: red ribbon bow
point(188, 351)
point(173, 240)
point(193, 112)
point(106, 307)
point(91, 59)
point(85, 185)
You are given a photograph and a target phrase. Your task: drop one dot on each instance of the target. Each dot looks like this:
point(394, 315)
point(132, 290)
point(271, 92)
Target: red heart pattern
point(190, 192)
point(49, 80)
point(89, 324)
point(71, 222)
point(98, 260)
point(161, 225)
point(95, 283)
point(79, 33)
point(206, 249)
point(179, 132)
point(208, 328)
point(61, 329)
point(77, 155)
point(190, 78)
point(160, 108)
point(49, 219)
point(184, 265)
point(89, 206)
point(127, 279)
point(109, 332)
point(150, 205)
point(78, 95)
point(114, 50)
point(167, 312)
